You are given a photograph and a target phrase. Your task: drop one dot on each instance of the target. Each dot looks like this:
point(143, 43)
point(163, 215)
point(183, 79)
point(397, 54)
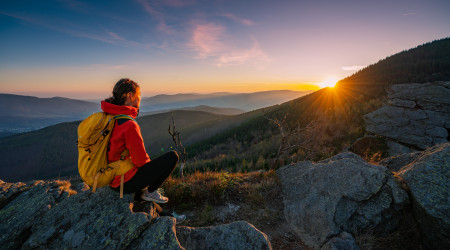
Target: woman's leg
point(152, 174)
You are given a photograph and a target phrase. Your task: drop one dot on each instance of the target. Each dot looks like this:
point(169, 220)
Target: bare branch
point(178, 146)
point(292, 137)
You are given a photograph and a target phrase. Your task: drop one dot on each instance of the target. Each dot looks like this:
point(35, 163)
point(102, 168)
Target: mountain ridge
point(243, 101)
point(338, 113)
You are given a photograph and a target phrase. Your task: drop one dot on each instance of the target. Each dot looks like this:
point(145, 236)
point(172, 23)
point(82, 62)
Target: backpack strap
point(122, 178)
point(124, 117)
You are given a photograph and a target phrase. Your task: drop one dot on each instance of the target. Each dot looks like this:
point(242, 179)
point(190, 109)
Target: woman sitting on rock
point(147, 175)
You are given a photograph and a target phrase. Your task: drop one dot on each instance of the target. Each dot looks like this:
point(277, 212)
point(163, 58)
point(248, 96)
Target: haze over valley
point(27, 113)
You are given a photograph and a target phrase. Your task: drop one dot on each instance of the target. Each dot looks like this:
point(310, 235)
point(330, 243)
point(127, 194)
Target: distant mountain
point(204, 108)
point(165, 98)
point(243, 101)
point(24, 113)
point(51, 152)
point(20, 114)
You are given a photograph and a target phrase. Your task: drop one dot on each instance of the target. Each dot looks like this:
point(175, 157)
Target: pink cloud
point(158, 16)
point(206, 39)
point(242, 21)
point(254, 56)
point(178, 3)
point(115, 36)
point(209, 41)
point(152, 11)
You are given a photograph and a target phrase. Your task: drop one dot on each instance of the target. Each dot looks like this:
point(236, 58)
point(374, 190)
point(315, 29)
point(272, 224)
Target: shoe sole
point(155, 200)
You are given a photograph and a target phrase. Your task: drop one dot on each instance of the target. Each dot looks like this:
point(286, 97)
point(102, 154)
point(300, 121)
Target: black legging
point(152, 174)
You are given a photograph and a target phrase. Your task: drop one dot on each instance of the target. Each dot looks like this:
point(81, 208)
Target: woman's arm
point(135, 144)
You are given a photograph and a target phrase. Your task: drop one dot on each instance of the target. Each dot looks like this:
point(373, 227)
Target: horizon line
point(45, 95)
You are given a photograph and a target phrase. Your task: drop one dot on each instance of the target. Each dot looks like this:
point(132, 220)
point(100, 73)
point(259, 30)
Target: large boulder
point(397, 162)
point(236, 235)
point(26, 204)
point(344, 241)
point(417, 115)
point(90, 220)
point(428, 179)
point(55, 215)
point(343, 193)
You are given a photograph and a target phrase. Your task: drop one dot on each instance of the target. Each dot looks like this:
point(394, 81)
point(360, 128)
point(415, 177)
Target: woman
point(147, 175)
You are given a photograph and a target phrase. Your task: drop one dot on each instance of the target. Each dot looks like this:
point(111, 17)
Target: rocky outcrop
point(235, 235)
point(397, 162)
point(428, 179)
point(343, 241)
point(343, 193)
point(54, 215)
point(418, 115)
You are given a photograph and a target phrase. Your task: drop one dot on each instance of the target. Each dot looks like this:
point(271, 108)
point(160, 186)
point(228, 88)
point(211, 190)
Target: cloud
point(353, 68)
point(72, 29)
point(242, 21)
point(178, 3)
point(207, 39)
point(76, 5)
point(115, 36)
point(409, 14)
point(158, 16)
point(152, 11)
point(254, 56)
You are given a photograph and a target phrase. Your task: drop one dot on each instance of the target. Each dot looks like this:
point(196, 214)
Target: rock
point(428, 179)
point(395, 148)
point(342, 193)
point(9, 191)
point(236, 235)
point(418, 114)
point(159, 235)
point(344, 241)
point(402, 103)
point(90, 220)
point(395, 163)
point(20, 214)
point(55, 215)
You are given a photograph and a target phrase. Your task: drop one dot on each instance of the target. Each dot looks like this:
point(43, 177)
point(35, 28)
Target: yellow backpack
point(94, 133)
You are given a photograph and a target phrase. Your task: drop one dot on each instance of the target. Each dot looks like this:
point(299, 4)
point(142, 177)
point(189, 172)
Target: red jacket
point(125, 135)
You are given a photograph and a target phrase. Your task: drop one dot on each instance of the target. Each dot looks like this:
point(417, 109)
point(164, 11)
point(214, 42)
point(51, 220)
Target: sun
point(330, 82)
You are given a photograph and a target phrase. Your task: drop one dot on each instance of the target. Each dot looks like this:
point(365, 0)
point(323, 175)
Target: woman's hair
point(120, 91)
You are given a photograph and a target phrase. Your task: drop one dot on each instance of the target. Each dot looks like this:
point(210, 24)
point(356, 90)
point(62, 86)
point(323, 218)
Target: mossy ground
point(213, 198)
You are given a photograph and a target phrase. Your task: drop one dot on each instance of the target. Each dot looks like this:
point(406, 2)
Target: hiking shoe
point(179, 217)
point(154, 196)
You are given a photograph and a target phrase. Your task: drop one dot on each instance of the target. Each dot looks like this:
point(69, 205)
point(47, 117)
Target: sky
point(79, 49)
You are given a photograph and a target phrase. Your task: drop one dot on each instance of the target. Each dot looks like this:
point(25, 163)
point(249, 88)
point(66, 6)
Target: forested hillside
point(426, 63)
point(51, 152)
point(337, 112)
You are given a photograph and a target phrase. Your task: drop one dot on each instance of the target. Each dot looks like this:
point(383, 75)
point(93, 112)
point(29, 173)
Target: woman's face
point(134, 99)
